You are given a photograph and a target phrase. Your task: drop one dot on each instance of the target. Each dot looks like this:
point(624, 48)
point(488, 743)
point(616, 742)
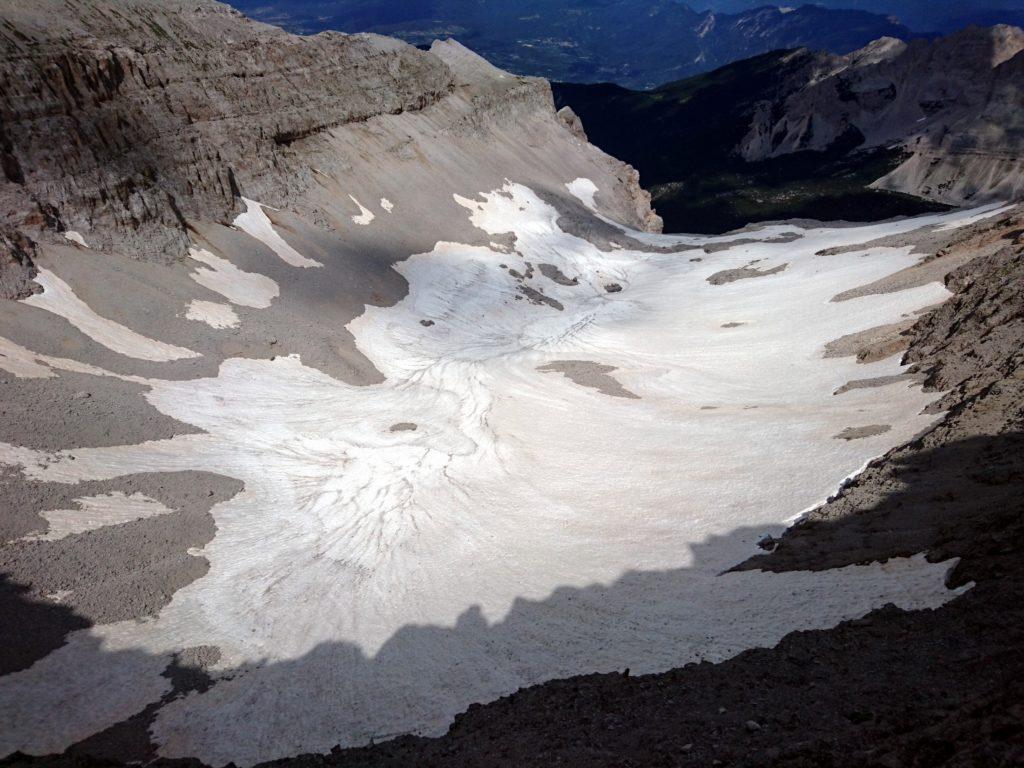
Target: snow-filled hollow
point(371, 581)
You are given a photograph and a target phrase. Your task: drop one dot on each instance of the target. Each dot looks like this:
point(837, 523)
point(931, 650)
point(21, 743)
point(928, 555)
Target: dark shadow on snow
point(931, 685)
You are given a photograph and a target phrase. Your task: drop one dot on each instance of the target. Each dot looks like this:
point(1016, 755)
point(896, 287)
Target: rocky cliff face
point(952, 105)
point(127, 120)
point(17, 267)
point(973, 342)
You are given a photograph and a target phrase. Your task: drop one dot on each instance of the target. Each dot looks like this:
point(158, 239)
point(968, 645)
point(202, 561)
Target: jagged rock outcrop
point(572, 122)
point(973, 341)
point(126, 120)
point(17, 265)
point(130, 118)
point(954, 106)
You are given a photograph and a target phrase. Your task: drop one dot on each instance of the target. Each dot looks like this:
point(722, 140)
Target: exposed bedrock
point(123, 121)
point(953, 105)
point(972, 343)
point(128, 118)
point(17, 267)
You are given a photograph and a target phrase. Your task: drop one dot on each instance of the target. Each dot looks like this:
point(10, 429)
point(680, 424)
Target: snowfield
point(517, 525)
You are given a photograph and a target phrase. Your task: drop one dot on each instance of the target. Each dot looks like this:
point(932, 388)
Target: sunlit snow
point(76, 237)
point(365, 215)
point(246, 289)
point(58, 297)
point(212, 313)
point(369, 581)
point(256, 223)
point(99, 511)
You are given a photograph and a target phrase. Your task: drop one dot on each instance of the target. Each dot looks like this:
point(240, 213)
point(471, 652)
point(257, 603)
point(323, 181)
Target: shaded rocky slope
point(126, 120)
point(803, 134)
point(953, 106)
point(684, 139)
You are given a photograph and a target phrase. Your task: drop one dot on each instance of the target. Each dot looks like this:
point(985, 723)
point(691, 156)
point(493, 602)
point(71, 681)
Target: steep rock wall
point(138, 116)
point(953, 105)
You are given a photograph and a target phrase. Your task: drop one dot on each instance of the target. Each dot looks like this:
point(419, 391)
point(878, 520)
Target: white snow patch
point(387, 205)
point(75, 237)
point(212, 313)
point(246, 289)
point(22, 363)
point(372, 582)
point(58, 298)
point(25, 364)
point(99, 511)
point(583, 190)
point(980, 214)
point(256, 223)
point(365, 215)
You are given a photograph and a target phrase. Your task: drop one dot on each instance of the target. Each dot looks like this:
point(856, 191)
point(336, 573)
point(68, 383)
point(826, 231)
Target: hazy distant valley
point(634, 43)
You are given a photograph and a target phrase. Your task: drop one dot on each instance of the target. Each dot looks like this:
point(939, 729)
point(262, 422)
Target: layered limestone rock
point(124, 121)
point(130, 118)
point(953, 105)
point(17, 266)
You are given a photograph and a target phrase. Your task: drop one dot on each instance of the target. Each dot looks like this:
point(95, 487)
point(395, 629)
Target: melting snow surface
point(58, 298)
point(256, 223)
point(368, 582)
point(365, 215)
point(98, 511)
point(246, 289)
point(75, 237)
point(212, 313)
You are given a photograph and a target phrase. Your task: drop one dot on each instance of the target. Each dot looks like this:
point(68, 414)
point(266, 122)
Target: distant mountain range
point(805, 134)
point(629, 42)
point(634, 43)
point(919, 15)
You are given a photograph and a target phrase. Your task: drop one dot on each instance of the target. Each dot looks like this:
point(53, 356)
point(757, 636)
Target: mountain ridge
point(935, 120)
point(152, 145)
point(593, 42)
